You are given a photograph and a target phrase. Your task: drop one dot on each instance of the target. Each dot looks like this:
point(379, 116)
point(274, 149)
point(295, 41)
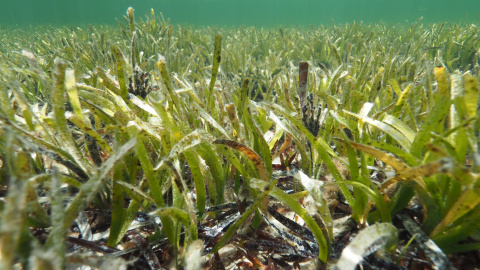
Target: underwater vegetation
point(158, 146)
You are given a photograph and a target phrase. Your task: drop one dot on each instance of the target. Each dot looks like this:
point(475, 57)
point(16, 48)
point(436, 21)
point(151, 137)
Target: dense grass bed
point(158, 146)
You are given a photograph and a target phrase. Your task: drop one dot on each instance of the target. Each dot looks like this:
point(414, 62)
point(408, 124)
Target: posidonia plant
point(209, 135)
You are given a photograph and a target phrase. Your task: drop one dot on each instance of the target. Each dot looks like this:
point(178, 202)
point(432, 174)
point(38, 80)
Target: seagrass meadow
point(150, 145)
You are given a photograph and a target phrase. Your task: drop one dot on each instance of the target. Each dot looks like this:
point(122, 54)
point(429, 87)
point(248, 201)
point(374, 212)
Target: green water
point(240, 12)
